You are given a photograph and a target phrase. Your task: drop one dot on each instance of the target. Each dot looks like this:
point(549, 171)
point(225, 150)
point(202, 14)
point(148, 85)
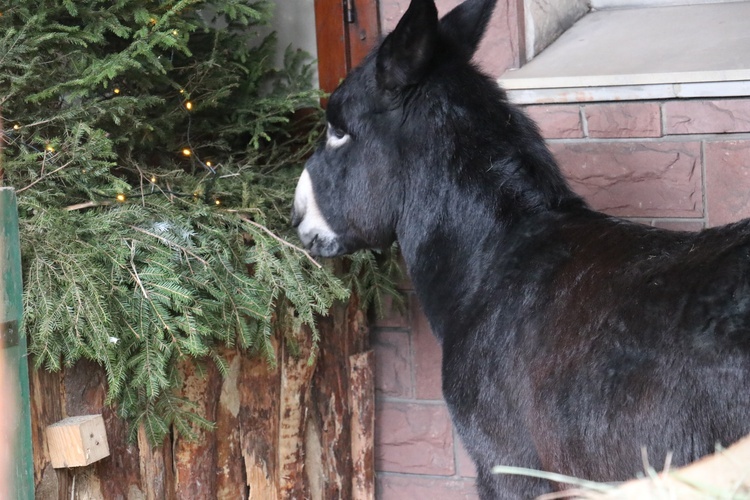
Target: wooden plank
point(363, 34)
point(13, 345)
point(332, 43)
point(362, 403)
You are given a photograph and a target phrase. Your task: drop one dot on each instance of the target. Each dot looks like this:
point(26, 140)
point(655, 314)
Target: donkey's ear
point(465, 25)
point(406, 52)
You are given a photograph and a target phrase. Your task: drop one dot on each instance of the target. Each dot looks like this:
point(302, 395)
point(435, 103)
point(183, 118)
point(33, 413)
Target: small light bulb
point(217, 201)
point(16, 126)
point(116, 90)
point(50, 148)
point(186, 152)
point(120, 197)
point(153, 179)
point(208, 163)
point(153, 20)
point(196, 194)
point(189, 105)
point(182, 91)
point(175, 32)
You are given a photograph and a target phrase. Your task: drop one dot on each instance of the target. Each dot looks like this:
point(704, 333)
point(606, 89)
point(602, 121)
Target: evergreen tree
point(154, 149)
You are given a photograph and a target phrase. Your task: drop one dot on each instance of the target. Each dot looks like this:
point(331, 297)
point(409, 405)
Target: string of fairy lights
point(14, 136)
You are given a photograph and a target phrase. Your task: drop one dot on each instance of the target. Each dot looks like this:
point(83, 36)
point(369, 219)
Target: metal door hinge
point(350, 15)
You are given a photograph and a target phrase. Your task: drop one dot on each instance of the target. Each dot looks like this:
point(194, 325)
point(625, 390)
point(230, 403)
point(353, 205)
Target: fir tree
point(154, 150)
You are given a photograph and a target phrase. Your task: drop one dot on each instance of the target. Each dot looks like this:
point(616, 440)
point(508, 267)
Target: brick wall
point(679, 164)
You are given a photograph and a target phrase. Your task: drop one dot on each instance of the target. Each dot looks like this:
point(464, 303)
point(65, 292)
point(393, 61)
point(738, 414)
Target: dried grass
point(724, 475)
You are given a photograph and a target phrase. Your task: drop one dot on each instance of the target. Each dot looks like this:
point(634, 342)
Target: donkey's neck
point(451, 232)
point(446, 252)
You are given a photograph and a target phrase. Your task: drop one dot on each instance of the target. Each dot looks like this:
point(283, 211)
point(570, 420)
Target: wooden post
point(362, 403)
point(13, 349)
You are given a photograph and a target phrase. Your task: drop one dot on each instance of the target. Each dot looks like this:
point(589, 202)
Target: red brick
point(464, 464)
point(727, 181)
point(707, 117)
point(428, 356)
point(392, 364)
point(624, 119)
point(557, 121)
point(635, 179)
point(680, 225)
point(406, 487)
point(392, 317)
point(413, 438)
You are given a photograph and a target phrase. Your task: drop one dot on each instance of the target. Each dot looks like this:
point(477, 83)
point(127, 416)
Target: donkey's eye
point(336, 137)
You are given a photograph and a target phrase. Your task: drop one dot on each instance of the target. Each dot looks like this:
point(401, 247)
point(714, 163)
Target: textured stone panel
point(557, 121)
point(707, 117)
point(413, 438)
point(636, 179)
point(393, 376)
point(679, 225)
point(464, 464)
point(404, 487)
point(428, 356)
point(623, 119)
point(727, 181)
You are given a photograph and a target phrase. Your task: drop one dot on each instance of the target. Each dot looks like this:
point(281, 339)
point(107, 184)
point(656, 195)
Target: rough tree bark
point(299, 430)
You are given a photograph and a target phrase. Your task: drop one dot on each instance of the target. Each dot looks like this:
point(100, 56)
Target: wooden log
point(343, 333)
point(47, 403)
point(194, 459)
point(77, 441)
point(118, 476)
point(156, 476)
point(296, 376)
point(282, 432)
point(260, 394)
point(230, 481)
point(362, 404)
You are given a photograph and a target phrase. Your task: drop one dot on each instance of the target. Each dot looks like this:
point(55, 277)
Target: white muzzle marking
point(313, 226)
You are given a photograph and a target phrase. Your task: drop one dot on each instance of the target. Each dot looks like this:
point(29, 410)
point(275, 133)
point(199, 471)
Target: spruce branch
point(193, 256)
point(281, 240)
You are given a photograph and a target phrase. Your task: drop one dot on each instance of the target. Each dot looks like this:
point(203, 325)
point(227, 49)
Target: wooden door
point(346, 31)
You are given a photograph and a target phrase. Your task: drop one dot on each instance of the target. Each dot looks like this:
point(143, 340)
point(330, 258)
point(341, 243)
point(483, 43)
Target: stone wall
point(677, 164)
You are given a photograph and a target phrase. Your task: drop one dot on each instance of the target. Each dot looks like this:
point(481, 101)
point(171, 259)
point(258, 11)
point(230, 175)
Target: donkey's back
point(604, 339)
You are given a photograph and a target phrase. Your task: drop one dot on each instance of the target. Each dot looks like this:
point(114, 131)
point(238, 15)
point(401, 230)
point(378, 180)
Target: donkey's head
point(389, 116)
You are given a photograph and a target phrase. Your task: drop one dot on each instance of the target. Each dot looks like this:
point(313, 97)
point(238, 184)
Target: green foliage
point(136, 255)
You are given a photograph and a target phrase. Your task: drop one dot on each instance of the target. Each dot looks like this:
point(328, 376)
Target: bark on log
point(281, 432)
point(297, 372)
point(362, 403)
point(195, 459)
point(230, 480)
point(260, 395)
